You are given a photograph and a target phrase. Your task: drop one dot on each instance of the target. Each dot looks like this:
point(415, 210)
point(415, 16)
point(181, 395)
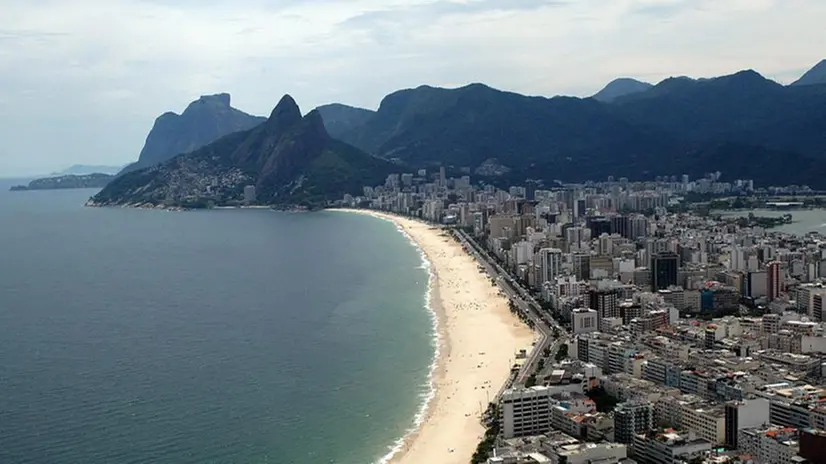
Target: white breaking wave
point(430, 386)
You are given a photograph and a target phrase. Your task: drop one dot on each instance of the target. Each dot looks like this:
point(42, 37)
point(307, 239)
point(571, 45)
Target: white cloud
point(82, 80)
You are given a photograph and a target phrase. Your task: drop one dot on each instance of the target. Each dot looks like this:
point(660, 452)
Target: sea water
point(251, 336)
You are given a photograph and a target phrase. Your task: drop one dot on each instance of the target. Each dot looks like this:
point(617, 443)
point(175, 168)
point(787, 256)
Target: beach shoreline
point(478, 338)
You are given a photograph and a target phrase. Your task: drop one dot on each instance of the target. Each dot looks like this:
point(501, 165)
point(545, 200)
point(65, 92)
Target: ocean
point(231, 336)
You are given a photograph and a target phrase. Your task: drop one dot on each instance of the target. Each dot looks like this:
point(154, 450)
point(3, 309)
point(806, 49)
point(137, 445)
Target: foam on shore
point(476, 338)
point(429, 387)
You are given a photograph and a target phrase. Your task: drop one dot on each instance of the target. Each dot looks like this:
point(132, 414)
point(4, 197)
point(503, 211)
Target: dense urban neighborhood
point(668, 333)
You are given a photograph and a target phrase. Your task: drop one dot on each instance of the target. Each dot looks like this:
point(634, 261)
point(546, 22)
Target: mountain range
point(743, 125)
point(341, 119)
point(730, 121)
point(289, 160)
point(202, 122)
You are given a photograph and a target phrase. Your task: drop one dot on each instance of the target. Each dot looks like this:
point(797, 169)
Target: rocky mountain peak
point(203, 121)
point(814, 76)
point(313, 122)
point(619, 88)
point(286, 112)
point(219, 100)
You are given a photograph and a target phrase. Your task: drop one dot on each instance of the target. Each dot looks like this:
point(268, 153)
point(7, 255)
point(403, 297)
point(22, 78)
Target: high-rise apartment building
point(550, 263)
point(632, 418)
point(582, 265)
point(773, 283)
point(605, 303)
point(744, 414)
point(664, 268)
point(525, 412)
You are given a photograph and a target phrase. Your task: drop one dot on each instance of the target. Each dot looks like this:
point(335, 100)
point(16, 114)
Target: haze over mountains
point(743, 125)
point(289, 159)
point(204, 121)
point(340, 119)
point(661, 131)
point(83, 169)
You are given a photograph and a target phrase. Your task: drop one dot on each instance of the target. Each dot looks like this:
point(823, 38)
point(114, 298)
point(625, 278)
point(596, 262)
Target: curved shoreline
point(440, 346)
point(478, 339)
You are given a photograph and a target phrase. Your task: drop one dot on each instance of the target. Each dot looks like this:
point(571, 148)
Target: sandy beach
point(478, 341)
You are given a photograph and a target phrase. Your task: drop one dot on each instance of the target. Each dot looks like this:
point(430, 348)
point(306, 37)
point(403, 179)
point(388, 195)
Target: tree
point(562, 353)
point(485, 447)
point(604, 401)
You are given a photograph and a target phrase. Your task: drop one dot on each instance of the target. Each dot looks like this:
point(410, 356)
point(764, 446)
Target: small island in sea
point(96, 180)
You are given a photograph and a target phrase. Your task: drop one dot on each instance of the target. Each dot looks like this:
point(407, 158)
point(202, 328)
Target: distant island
point(96, 180)
point(84, 169)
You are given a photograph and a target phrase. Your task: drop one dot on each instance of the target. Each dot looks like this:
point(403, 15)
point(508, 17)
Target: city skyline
point(669, 332)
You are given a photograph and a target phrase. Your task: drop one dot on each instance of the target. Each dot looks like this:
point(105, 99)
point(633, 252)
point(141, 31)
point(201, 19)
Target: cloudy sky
point(81, 81)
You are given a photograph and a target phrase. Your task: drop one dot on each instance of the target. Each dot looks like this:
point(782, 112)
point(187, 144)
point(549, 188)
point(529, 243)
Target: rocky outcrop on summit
point(620, 88)
point(289, 159)
point(204, 121)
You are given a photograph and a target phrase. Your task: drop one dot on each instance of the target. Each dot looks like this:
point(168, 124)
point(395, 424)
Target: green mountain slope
point(666, 130)
point(532, 136)
point(289, 160)
point(340, 119)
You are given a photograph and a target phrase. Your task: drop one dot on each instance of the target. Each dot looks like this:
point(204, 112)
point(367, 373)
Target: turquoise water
point(250, 336)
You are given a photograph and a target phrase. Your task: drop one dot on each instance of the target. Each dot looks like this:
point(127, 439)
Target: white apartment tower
point(525, 412)
point(550, 262)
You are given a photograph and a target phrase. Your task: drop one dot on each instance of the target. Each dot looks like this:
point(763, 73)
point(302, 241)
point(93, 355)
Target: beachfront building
point(249, 194)
point(525, 412)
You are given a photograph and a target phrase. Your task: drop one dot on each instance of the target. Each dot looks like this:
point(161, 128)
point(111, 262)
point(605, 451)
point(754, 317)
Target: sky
point(81, 81)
